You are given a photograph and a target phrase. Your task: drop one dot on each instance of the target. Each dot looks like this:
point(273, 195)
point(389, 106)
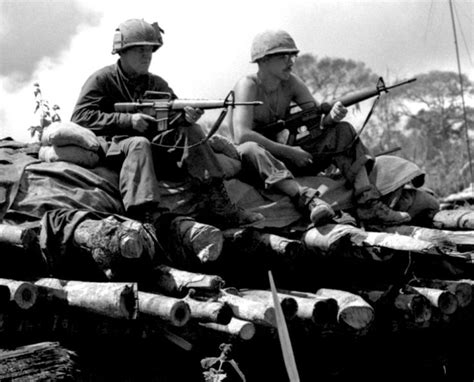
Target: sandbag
point(71, 154)
point(69, 133)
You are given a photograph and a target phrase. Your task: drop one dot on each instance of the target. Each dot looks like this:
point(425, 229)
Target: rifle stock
point(311, 117)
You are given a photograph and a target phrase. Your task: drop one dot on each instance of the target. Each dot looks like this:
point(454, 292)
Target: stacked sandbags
point(69, 142)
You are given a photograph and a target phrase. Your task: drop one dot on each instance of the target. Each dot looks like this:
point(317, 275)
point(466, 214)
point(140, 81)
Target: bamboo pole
point(117, 300)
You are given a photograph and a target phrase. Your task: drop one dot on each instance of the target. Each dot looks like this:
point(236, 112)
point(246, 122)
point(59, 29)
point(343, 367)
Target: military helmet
point(272, 42)
point(136, 32)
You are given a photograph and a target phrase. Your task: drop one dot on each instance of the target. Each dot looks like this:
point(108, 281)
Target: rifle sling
point(212, 131)
point(349, 146)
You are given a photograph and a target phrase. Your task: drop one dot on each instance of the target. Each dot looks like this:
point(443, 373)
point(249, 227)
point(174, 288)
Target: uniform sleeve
point(95, 108)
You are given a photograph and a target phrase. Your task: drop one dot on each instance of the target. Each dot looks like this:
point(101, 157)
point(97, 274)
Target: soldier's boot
point(320, 212)
point(371, 209)
point(376, 212)
point(225, 212)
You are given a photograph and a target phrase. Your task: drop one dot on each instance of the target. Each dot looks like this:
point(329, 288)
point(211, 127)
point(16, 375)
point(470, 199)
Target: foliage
point(213, 374)
point(425, 118)
point(330, 78)
point(46, 117)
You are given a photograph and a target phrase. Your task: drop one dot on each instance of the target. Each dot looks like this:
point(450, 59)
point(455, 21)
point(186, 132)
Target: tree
point(330, 78)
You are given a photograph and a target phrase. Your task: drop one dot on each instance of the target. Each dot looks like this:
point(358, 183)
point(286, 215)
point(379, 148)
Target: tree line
point(425, 118)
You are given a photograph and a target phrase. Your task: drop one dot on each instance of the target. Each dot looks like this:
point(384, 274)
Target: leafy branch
point(45, 114)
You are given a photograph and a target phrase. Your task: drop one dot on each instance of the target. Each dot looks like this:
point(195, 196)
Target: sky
point(59, 43)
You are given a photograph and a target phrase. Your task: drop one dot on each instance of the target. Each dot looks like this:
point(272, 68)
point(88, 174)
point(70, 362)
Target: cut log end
point(421, 309)
point(180, 313)
point(325, 311)
point(448, 303)
point(247, 331)
point(25, 296)
point(463, 293)
point(357, 317)
point(289, 307)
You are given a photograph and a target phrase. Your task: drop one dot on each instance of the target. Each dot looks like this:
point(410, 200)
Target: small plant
point(46, 117)
point(214, 366)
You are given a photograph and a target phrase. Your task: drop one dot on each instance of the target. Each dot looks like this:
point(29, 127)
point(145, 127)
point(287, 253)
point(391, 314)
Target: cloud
point(36, 29)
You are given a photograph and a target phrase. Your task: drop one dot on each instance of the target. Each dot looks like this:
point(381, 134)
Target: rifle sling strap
point(156, 140)
point(349, 146)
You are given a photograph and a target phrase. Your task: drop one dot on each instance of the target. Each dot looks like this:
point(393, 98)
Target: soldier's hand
point(299, 157)
point(192, 114)
point(338, 112)
point(141, 122)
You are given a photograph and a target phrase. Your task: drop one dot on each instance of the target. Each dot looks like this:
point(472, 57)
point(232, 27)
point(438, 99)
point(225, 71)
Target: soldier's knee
point(249, 149)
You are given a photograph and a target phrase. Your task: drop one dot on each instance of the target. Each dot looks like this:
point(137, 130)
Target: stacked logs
point(177, 297)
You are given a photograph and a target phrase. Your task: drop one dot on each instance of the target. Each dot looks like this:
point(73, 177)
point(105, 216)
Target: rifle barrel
point(179, 104)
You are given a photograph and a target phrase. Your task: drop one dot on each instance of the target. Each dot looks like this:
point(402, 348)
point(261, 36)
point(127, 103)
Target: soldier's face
point(136, 60)
point(281, 65)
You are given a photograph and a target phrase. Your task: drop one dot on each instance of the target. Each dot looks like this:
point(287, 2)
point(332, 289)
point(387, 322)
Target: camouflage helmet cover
point(272, 42)
point(136, 32)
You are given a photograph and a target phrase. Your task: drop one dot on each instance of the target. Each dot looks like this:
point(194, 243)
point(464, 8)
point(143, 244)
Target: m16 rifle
point(168, 111)
point(311, 117)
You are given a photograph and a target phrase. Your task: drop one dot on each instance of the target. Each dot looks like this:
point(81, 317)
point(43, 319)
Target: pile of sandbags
point(69, 142)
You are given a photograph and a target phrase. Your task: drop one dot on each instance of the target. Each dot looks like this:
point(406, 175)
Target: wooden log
point(321, 310)
point(202, 240)
point(354, 312)
point(128, 238)
point(176, 312)
point(242, 329)
point(288, 304)
point(462, 289)
point(439, 238)
point(19, 236)
point(209, 311)
point(325, 237)
point(249, 310)
point(253, 240)
point(114, 244)
point(24, 294)
point(461, 238)
point(414, 306)
point(330, 238)
point(177, 282)
point(117, 300)
point(45, 361)
point(444, 300)
point(454, 219)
